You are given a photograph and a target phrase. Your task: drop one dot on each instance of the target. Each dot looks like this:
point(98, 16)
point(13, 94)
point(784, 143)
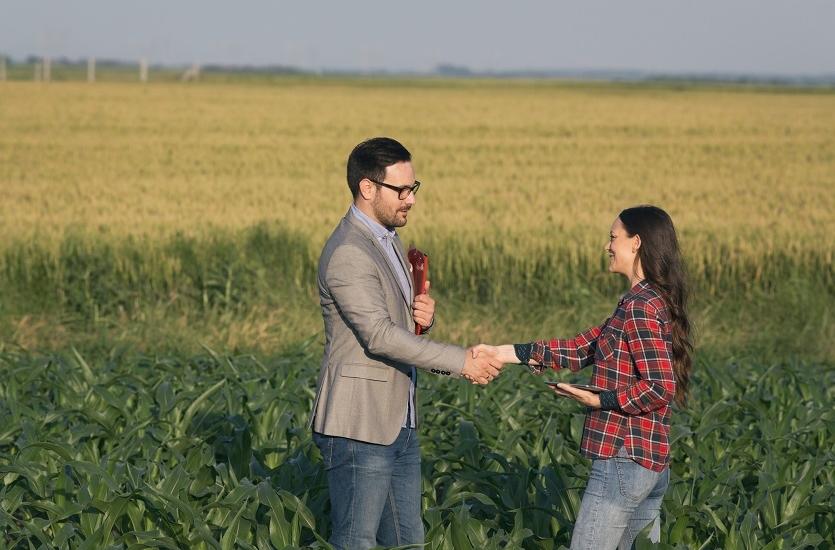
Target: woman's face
point(622, 250)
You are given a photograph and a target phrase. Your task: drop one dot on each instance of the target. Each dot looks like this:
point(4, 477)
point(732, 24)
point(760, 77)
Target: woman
point(641, 359)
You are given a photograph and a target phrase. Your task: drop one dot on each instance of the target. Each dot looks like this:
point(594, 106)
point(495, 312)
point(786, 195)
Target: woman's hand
point(587, 398)
point(505, 353)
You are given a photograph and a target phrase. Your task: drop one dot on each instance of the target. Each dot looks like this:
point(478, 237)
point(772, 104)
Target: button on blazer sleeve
point(355, 286)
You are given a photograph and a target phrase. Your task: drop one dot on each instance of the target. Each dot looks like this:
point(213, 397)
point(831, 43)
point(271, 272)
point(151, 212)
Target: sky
point(768, 37)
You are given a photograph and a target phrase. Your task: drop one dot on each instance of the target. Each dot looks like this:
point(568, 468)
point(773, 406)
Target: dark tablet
point(593, 389)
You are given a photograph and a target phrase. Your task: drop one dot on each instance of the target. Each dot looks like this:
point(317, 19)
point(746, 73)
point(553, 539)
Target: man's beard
point(387, 218)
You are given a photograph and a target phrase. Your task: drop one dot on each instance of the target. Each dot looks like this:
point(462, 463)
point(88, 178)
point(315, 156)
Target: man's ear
point(367, 189)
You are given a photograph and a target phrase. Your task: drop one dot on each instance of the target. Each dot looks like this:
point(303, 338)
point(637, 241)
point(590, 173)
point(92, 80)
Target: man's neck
point(366, 209)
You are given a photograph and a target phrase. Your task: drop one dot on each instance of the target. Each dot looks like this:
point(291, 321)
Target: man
point(364, 416)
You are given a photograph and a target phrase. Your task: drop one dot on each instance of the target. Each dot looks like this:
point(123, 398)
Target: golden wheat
point(528, 162)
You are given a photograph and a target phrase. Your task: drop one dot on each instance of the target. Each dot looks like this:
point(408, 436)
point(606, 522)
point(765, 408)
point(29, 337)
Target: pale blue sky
point(730, 36)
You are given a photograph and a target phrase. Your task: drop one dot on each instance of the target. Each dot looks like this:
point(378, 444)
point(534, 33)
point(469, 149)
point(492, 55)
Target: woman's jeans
point(374, 490)
point(621, 498)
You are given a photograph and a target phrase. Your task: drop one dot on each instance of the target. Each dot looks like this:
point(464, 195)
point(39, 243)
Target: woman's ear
point(636, 244)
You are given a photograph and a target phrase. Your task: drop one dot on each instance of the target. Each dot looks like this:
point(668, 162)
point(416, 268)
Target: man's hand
point(423, 308)
point(482, 369)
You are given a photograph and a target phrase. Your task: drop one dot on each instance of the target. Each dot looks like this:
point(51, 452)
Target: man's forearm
point(383, 338)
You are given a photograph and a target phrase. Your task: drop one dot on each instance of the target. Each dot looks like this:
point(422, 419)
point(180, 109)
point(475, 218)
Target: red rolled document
point(420, 269)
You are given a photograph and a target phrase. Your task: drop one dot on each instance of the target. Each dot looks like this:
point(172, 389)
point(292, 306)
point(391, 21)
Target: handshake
point(483, 364)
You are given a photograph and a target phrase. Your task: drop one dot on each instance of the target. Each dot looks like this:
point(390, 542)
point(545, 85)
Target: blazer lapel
point(407, 267)
point(383, 257)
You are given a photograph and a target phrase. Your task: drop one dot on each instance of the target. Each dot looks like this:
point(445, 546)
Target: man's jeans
point(374, 490)
point(621, 498)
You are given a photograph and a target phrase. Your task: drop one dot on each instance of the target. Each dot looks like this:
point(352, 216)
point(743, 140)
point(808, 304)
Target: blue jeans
point(374, 491)
point(621, 498)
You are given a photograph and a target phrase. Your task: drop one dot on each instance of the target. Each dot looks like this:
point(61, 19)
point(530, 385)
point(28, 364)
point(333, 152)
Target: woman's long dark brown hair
point(664, 269)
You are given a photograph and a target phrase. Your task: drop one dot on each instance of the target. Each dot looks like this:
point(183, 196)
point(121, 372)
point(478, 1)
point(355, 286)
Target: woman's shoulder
point(646, 300)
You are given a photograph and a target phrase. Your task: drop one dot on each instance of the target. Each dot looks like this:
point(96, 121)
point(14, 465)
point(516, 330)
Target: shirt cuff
point(609, 401)
point(523, 353)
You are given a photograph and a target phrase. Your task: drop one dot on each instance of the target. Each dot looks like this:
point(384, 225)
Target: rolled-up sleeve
point(653, 360)
point(571, 353)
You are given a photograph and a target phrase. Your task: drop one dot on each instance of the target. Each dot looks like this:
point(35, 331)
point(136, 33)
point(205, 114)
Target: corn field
point(213, 452)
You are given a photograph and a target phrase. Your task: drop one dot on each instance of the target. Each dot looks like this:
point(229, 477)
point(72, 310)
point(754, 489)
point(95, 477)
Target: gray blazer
point(370, 344)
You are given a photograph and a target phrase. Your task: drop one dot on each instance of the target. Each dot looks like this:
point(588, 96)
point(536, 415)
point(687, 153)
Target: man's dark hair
point(370, 159)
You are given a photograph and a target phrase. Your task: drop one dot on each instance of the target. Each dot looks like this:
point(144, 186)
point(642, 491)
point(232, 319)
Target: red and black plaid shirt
point(632, 355)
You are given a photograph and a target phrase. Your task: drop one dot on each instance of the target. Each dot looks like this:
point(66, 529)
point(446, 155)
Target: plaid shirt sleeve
point(651, 354)
point(573, 353)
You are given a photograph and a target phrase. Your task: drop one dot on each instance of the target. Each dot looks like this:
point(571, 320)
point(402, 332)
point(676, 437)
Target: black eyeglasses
point(402, 192)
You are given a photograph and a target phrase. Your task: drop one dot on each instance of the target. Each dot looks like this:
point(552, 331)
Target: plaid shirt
point(632, 355)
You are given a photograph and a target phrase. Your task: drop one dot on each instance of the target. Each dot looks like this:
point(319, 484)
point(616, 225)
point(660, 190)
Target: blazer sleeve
point(355, 286)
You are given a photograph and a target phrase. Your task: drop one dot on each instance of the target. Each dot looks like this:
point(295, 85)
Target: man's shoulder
point(346, 233)
point(346, 241)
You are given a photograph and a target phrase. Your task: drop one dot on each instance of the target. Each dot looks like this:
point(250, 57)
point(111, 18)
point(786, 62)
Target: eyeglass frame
point(413, 189)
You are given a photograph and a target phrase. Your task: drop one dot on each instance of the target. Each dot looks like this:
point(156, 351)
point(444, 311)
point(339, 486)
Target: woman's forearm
point(506, 354)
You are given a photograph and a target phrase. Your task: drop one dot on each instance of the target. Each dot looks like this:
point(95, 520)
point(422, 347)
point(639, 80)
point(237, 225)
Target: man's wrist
point(431, 324)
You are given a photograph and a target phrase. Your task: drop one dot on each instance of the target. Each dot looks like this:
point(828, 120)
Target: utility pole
point(143, 70)
point(91, 69)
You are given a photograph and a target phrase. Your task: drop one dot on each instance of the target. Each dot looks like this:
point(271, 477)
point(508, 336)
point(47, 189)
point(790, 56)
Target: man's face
point(388, 208)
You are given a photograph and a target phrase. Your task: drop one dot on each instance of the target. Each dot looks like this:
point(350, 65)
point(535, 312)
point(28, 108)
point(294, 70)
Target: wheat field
point(117, 185)
point(534, 162)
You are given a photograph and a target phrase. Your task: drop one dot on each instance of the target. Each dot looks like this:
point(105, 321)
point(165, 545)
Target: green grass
point(254, 290)
point(212, 451)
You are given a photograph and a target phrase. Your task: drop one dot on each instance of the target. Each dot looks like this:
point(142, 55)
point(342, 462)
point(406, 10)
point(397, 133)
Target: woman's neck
point(637, 277)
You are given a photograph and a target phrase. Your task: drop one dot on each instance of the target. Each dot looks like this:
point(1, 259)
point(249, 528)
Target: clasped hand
point(481, 366)
point(507, 354)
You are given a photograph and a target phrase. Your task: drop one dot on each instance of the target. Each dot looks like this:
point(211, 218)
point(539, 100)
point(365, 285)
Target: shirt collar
point(377, 229)
point(640, 286)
